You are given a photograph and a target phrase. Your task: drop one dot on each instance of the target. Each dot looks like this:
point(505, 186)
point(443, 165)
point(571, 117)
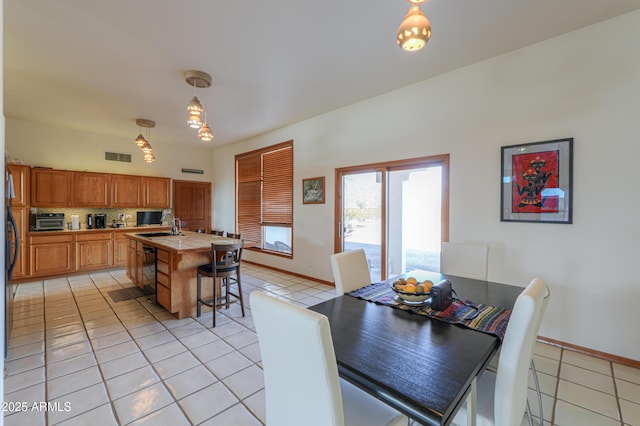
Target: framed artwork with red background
point(536, 182)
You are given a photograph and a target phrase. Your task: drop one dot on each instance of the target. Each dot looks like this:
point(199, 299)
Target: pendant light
point(143, 143)
point(197, 79)
point(205, 134)
point(415, 30)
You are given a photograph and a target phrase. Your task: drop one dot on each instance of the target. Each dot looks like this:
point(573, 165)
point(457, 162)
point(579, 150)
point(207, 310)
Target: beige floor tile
point(572, 415)
point(132, 381)
point(200, 338)
point(176, 364)
point(116, 351)
point(588, 378)
point(242, 339)
point(66, 340)
point(588, 398)
point(257, 405)
point(24, 399)
point(227, 365)
point(26, 339)
point(171, 415)
point(99, 416)
point(105, 330)
point(245, 382)
point(25, 350)
point(627, 373)
point(158, 353)
point(70, 365)
point(210, 351)
point(189, 381)
point(110, 340)
point(546, 365)
point(123, 365)
point(149, 341)
point(252, 352)
point(629, 391)
point(23, 364)
point(187, 329)
point(24, 379)
point(547, 405)
point(79, 402)
point(72, 382)
point(630, 412)
point(146, 330)
point(236, 415)
point(24, 418)
point(586, 361)
point(207, 402)
point(142, 403)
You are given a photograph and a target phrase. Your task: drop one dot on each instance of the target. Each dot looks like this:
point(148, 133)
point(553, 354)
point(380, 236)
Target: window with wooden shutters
point(264, 184)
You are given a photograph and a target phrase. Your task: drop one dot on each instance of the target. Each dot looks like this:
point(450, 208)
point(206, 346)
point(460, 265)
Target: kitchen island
point(177, 258)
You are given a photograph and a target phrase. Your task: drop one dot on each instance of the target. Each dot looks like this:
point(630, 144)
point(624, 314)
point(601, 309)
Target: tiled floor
point(95, 361)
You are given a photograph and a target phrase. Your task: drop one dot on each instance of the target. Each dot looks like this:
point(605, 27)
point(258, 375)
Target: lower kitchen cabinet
point(163, 280)
point(120, 249)
point(51, 254)
point(93, 251)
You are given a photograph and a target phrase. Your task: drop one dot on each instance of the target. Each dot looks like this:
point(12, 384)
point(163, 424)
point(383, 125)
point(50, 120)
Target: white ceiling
point(98, 65)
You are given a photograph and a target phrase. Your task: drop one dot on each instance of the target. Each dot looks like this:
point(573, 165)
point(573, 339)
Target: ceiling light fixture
point(199, 79)
point(415, 30)
point(143, 143)
point(205, 134)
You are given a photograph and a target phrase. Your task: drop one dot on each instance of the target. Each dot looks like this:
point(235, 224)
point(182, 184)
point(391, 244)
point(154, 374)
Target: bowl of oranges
point(411, 291)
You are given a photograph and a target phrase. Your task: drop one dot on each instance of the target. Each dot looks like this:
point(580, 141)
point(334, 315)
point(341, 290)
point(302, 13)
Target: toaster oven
point(47, 221)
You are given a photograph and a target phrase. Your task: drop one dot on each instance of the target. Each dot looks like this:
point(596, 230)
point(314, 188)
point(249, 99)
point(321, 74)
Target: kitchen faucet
point(175, 230)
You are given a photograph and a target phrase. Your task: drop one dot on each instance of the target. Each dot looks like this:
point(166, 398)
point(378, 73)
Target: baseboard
point(592, 352)
point(290, 273)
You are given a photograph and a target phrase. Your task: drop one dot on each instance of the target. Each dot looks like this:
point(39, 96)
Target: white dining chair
point(464, 260)
point(350, 270)
point(302, 385)
point(502, 396)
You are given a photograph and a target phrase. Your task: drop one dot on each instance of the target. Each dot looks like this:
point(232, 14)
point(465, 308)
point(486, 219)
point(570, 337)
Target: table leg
point(472, 403)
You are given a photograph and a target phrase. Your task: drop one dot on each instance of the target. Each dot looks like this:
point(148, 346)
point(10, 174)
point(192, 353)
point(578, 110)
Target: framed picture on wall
point(313, 190)
point(537, 182)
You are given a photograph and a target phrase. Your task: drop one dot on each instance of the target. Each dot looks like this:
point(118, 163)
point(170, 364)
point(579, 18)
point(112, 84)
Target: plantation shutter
point(277, 187)
point(249, 181)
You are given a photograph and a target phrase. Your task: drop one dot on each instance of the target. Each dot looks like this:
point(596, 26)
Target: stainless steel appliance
point(101, 221)
point(47, 221)
point(11, 250)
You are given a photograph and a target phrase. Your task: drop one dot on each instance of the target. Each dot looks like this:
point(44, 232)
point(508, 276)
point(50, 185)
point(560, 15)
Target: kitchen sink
point(155, 234)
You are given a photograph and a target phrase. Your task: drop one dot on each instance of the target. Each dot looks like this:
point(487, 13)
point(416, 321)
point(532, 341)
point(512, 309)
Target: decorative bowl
point(410, 297)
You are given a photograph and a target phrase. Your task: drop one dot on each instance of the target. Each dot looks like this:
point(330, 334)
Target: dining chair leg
point(199, 296)
point(227, 281)
point(538, 391)
point(215, 301)
point(240, 294)
point(472, 403)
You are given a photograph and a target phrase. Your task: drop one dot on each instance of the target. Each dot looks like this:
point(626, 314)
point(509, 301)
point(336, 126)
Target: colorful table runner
point(488, 319)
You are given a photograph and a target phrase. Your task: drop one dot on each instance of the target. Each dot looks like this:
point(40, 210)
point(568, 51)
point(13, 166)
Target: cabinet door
point(156, 192)
point(91, 189)
point(93, 251)
point(192, 204)
point(120, 249)
point(53, 258)
point(21, 177)
point(50, 188)
point(126, 191)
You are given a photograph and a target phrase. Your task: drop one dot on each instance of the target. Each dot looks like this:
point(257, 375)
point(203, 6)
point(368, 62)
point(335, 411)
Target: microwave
point(47, 221)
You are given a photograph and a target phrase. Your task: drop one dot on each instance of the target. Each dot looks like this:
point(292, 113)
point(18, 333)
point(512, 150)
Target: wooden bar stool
point(232, 235)
point(225, 264)
point(218, 233)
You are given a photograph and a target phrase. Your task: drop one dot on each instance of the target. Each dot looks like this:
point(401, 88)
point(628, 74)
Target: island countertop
point(188, 242)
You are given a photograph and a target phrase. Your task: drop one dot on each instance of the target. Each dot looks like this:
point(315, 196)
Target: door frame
point(385, 167)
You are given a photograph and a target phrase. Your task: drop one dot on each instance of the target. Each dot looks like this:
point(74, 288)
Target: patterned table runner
point(489, 319)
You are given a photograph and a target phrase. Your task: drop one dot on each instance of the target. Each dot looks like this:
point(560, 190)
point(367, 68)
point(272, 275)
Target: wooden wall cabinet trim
point(91, 189)
point(51, 188)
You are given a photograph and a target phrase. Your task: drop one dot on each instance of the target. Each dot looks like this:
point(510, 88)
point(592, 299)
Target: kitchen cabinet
point(163, 281)
point(120, 249)
point(51, 188)
point(156, 192)
point(91, 189)
point(21, 177)
point(93, 251)
point(51, 254)
point(192, 204)
point(126, 191)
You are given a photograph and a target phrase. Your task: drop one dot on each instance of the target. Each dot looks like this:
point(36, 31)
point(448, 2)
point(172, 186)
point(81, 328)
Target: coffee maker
point(101, 221)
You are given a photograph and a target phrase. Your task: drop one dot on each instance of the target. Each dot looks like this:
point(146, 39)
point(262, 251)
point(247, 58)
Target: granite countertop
point(158, 228)
point(187, 242)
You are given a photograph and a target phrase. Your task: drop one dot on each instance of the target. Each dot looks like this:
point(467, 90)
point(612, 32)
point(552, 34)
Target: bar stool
point(226, 258)
point(218, 233)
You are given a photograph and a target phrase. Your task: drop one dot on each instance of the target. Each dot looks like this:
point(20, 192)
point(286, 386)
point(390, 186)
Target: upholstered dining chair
point(301, 379)
point(232, 235)
point(225, 265)
point(464, 260)
point(217, 232)
point(502, 397)
point(350, 270)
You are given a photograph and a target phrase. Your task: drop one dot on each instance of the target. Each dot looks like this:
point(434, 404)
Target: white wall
point(584, 85)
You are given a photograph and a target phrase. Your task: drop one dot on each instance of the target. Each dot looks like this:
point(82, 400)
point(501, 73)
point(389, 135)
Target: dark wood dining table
point(423, 367)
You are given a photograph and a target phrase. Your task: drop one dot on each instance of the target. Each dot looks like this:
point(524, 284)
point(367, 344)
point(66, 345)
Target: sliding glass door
point(397, 212)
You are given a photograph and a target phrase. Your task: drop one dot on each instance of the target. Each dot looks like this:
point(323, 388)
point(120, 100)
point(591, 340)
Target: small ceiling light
point(149, 157)
point(415, 30)
point(146, 148)
point(148, 124)
point(140, 140)
point(205, 134)
point(198, 79)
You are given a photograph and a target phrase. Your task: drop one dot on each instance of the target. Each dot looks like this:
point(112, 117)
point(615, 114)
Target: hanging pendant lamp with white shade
point(415, 30)
point(205, 134)
point(197, 79)
point(143, 143)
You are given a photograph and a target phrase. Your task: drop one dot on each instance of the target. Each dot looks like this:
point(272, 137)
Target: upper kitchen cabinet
point(126, 191)
point(156, 192)
point(51, 188)
point(91, 189)
point(20, 175)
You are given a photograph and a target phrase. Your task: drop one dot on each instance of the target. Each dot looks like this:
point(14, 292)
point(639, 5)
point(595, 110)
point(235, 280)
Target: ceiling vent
point(114, 156)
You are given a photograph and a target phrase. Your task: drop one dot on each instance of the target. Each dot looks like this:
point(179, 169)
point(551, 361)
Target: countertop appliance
point(100, 221)
point(47, 221)
point(11, 251)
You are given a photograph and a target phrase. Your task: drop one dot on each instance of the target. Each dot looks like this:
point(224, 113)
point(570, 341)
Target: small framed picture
point(313, 190)
point(537, 182)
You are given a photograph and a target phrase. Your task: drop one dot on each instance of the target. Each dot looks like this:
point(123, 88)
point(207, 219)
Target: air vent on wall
point(114, 156)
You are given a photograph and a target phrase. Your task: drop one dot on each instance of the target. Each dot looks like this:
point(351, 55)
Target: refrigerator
point(12, 247)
